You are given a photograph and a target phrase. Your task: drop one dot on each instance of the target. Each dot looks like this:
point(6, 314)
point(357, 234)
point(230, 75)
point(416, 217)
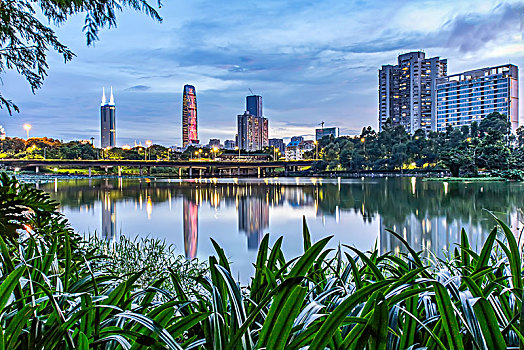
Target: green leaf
point(306, 236)
point(449, 320)
point(489, 325)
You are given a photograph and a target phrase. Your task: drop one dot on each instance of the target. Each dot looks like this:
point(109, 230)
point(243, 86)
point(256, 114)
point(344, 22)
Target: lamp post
point(215, 150)
point(148, 145)
point(27, 127)
point(316, 149)
point(200, 154)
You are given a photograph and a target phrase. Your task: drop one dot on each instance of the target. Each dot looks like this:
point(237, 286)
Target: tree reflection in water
point(428, 214)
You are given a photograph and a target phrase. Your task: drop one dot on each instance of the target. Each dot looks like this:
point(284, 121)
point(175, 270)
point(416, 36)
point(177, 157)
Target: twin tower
point(189, 118)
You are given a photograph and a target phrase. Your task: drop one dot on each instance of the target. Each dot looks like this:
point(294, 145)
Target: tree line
point(488, 145)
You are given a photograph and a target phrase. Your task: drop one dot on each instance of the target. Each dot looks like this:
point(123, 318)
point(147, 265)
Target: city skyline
point(305, 74)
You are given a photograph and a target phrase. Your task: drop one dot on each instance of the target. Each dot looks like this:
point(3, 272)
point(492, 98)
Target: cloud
point(138, 88)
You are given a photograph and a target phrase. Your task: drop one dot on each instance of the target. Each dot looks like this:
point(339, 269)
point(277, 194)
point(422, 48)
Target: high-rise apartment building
point(470, 96)
point(407, 91)
point(252, 127)
point(107, 121)
point(189, 116)
point(254, 105)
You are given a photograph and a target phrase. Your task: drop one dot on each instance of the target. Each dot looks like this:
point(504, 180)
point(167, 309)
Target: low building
point(214, 143)
point(293, 150)
point(229, 144)
point(278, 144)
point(320, 133)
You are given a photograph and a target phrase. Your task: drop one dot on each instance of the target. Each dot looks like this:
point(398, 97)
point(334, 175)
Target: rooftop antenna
point(252, 93)
point(322, 123)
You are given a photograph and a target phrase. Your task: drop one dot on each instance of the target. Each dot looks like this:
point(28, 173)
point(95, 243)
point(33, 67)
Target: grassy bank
point(61, 292)
point(466, 179)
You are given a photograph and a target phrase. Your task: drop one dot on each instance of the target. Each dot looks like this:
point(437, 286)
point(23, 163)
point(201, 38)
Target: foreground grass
point(58, 294)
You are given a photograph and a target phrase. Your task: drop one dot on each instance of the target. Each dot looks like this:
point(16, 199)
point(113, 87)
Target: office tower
point(320, 133)
point(107, 121)
point(252, 127)
point(189, 116)
point(297, 139)
point(470, 96)
point(214, 143)
point(407, 91)
point(278, 144)
point(254, 105)
point(2, 133)
point(229, 144)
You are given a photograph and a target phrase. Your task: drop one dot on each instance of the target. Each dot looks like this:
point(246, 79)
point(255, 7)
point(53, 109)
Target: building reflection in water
point(190, 228)
point(108, 216)
point(253, 219)
point(429, 215)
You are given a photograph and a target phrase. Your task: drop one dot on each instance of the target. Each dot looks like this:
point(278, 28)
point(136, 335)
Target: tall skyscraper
point(254, 105)
point(252, 126)
point(470, 96)
point(189, 116)
point(407, 91)
point(107, 121)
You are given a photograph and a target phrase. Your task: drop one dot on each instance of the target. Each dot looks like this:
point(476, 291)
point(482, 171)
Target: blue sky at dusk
point(311, 61)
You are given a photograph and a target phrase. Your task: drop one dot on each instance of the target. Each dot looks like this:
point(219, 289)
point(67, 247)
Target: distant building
point(214, 143)
point(229, 144)
point(307, 145)
point(189, 116)
point(278, 144)
point(2, 133)
point(320, 133)
point(407, 91)
point(293, 150)
point(252, 128)
point(107, 121)
point(254, 105)
point(470, 96)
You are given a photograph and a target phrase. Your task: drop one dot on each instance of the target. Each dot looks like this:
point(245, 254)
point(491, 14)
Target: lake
point(238, 212)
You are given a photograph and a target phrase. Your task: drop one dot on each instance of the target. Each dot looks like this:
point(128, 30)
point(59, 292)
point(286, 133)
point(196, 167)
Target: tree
point(25, 40)
point(455, 159)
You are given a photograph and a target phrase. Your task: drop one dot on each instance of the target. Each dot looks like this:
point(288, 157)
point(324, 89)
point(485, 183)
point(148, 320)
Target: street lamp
point(148, 145)
point(238, 148)
point(316, 149)
point(200, 154)
point(215, 150)
point(27, 127)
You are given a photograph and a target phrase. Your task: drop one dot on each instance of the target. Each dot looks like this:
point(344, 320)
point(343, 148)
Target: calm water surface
point(238, 212)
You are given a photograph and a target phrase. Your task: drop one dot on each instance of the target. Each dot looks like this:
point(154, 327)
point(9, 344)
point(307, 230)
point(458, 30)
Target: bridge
point(191, 167)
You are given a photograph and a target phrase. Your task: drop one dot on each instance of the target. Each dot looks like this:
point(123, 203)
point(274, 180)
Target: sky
point(311, 61)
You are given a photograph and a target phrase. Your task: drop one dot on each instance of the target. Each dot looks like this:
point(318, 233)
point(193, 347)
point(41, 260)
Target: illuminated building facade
point(470, 96)
point(252, 127)
point(107, 121)
point(189, 116)
point(407, 91)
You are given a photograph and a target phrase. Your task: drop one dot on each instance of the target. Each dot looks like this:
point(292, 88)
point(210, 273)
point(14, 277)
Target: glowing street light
point(148, 145)
point(316, 149)
point(27, 127)
point(214, 150)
